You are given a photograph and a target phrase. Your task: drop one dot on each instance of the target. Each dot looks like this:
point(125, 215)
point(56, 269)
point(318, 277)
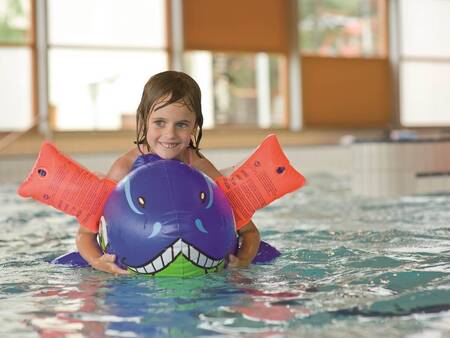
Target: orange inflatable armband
point(265, 176)
point(59, 181)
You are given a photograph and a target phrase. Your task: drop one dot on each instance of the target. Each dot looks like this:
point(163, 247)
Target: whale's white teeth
point(141, 270)
point(185, 249)
point(209, 263)
point(197, 257)
point(194, 254)
point(177, 248)
point(169, 255)
point(149, 268)
point(158, 264)
point(202, 260)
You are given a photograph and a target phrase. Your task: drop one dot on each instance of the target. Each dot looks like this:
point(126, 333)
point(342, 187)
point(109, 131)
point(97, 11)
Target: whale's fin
point(72, 258)
point(266, 253)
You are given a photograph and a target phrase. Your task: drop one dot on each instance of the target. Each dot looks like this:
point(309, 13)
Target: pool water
point(349, 267)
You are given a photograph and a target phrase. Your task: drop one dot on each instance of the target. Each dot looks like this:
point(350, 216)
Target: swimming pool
point(350, 267)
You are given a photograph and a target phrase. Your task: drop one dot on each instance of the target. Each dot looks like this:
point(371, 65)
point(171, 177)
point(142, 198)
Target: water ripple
point(350, 266)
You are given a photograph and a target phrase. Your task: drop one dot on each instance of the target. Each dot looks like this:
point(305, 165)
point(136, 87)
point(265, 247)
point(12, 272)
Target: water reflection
point(70, 309)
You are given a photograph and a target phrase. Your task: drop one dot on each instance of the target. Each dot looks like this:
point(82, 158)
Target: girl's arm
point(91, 252)
point(122, 166)
point(87, 241)
point(249, 235)
point(204, 165)
point(229, 170)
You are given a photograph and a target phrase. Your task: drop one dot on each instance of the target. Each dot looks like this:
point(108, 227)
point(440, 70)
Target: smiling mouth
point(168, 145)
point(169, 255)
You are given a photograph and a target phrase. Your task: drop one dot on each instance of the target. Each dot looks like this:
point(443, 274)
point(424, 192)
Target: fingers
point(107, 264)
point(236, 262)
point(108, 258)
point(233, 261)
point(119, 271)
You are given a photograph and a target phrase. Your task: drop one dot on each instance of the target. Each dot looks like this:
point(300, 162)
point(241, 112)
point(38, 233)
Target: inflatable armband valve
point(265, 176)
point(58, 181)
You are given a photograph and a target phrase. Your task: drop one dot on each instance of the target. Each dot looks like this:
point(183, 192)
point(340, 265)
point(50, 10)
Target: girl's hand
point(236, 262)
point(89, 249)
point(106, 263)
point(250, 240)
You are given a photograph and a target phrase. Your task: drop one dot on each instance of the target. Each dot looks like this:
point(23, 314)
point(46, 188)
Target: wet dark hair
point(177, 87)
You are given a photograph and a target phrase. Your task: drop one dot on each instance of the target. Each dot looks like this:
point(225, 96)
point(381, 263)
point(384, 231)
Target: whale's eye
point(141, 201)
point(202, 196)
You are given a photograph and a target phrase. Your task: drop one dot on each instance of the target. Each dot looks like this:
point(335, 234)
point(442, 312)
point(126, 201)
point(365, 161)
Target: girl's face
point(170, 129)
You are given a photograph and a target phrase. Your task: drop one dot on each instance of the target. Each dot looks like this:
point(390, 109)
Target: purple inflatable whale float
point(166, 218)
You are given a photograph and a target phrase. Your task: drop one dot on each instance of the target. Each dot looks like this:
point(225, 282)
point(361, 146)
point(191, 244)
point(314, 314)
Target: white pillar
point(294, 66)
point(42, 68)
point(263, 90)
point(177, 40)
point(394, 60)
point(201, 71)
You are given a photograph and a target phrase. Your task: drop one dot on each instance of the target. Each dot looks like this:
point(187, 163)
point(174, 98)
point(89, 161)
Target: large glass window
point(98, 67)
point(240, 89)
point(98, 89)
point(424, 62)
point(139, 23)
point(350, 28)
point(16, 99)
point(15, 23)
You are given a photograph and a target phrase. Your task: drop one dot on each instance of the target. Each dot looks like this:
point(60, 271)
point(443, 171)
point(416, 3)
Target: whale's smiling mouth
point(170, 254)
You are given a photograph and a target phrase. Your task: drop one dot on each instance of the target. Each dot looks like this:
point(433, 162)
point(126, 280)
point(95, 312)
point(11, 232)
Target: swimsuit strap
point(147, 158)
point(144, 159)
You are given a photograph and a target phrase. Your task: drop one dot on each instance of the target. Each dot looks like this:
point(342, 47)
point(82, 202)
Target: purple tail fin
point(266, 253)
point(72, 258)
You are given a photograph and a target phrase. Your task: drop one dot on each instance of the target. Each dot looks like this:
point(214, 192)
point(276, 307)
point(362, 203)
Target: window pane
point(98, 89)
point(107, 22)
point(425, 28)
point(244, 89)
point(349, 28)
point(424, 94)
point(15, 96)
point(15, 21)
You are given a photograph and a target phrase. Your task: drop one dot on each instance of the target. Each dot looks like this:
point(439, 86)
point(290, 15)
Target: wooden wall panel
point(340, 92)
point(236, 25)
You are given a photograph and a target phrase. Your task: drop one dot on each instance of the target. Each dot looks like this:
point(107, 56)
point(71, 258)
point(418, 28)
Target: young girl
point(169, 124)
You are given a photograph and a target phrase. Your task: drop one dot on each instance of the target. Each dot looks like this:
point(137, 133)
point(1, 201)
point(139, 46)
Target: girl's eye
point(159, 123)
point(182, 125)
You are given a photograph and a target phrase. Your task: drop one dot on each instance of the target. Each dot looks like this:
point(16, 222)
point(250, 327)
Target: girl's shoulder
point(121, 167)
point(200, 162)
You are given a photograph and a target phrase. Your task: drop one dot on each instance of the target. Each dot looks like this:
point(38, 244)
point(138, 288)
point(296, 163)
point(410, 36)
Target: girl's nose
point(169, 131)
